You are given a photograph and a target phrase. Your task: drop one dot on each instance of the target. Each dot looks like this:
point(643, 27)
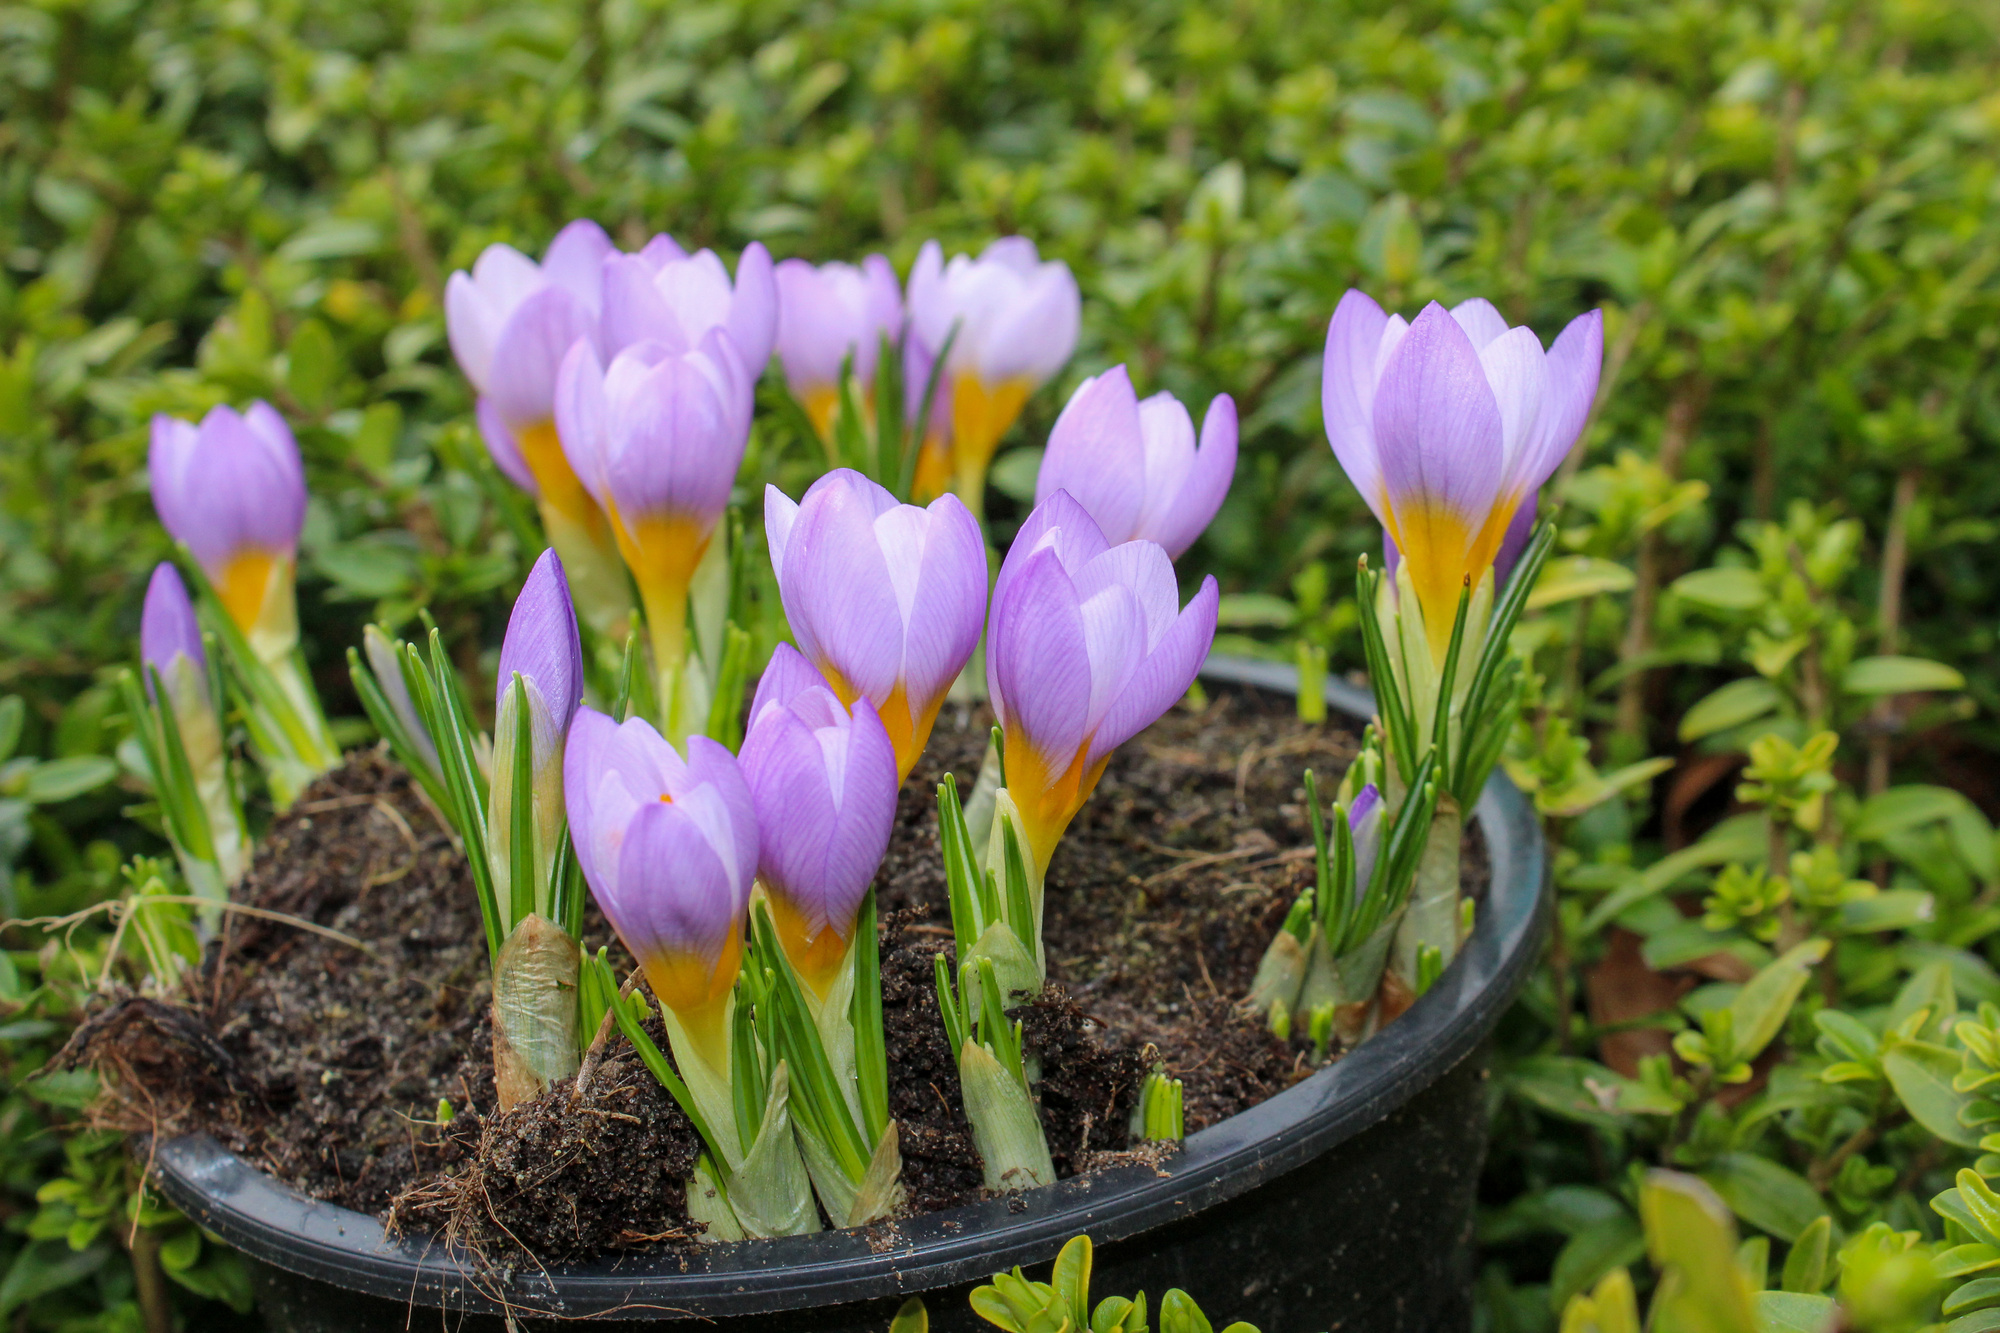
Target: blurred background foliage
point(1789, 212)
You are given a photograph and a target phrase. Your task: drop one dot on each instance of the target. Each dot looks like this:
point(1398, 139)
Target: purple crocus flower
point(1086, 645)
point(884, 599)
point(1364, 818)
point(169, 634)
point(823, 778)
point(827, 314)
point(1017, 318)
point(511, 321)
point(1446, 425)
point(1135, 466)
point(657, 438)
point(234, 492)
point(665, 295)
point(669, 848)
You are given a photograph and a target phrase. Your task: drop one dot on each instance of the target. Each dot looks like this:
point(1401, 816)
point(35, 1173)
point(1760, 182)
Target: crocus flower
point(827, 314)
point(1017, 320)
point(385, 663)
point(657, 437)
point(234, 492)
point(1446, 425)
point(169, 634)
point(170, 647)
point(1134, 465)
point(663, 294)
point(511, 321)
point(884, 599)
point(543, 652)
point(668, 846)
point(1086, 645)
point(823, 778)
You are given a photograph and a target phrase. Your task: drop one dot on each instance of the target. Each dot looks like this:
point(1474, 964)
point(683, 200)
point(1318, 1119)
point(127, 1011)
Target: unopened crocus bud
point(1016, 318)
point(823, 779)
point(669, 848)
point(1135, 465)
point(543, 656)
point(170, 648)
point(234, 492)
point(657, 437)
point(385, 663)
point(884, 599)
point(1447, 425)
point(1087, 644)
point(826, 314)
point(665, 295)
point(511, 321)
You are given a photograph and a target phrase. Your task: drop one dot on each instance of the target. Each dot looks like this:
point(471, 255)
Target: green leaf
point(1589, 1255)
point(1014, 473)
point(1722, 589)
point(1688, 1229)
point(1736, 703)
point(45, 1267)
point(1898, 909)
point(1921, 1074)
point(1909, 806)
point(1929, 988)
point(1573, 576)
point(1809, 1267)
point(369, 568)
point(1254, 610)
point(312, 364)
point(1900, 675)
point(1764, 1194)
point(1794, 1312)
point(1740, 838)
point(12, 714)
point(1071, 1279)
point(61, 779)
point(912, 1317)
point(1761, 1006)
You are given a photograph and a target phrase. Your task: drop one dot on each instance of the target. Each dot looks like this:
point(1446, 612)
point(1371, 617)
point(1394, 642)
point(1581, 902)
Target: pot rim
point(268, 1220)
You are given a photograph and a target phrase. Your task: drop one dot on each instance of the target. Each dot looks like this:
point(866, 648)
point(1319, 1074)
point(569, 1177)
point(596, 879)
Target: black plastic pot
point(1344, 1202)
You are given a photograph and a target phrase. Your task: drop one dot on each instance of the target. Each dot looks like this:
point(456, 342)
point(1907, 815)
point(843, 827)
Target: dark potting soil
point(355, 1064)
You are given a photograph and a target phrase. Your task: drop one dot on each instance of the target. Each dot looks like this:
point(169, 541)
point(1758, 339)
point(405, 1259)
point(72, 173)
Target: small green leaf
point(1722, 589)
point(1734, 704)
point(1071, 1279)
point(1590, 1254)
point(1900, 675)
point(912, 1317)
point(12, 713)
point(1689, 1230)
point(1764, 1194)
point(61, 779)
point(312, 364)
point(1921, 1074)
point(45, 1267)
point(1809, 1267)
point(1572, 576)
point(1793, 1312)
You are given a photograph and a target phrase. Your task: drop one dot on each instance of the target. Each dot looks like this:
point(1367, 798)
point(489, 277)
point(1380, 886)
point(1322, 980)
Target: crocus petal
point(779, 516)
point(1059, 523)
point(1035, 337)
point(1203, 487)
point(504, 448)
point(591, 734)
point(1574, 364)
point(579, 416)
point(1480, 320)
point(230, 485)
point(574, 260)
point(1439, 430)
point(675, 895)
point(728, 813)
point(634, 310)
point(167, 625)
point(1519, 530)
point(542, 643)
point(1515, 371)
point(948, 605)
point(1163, 677)
point(1347, 394)
point(785, 677)
point(530, 350)
point(1364, 817)
point(753, 315)
point(1037, 660)
point(1097, 453)
point(843, 589)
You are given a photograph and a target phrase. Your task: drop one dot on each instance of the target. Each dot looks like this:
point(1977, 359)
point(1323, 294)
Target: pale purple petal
point(779, 516)
point(1519, 529)
point(167, 625)
point(753, 315)
point(1204, 486)
point(734, 830)
point(542, 643)
point(785, 677)
point(1097, 453)
point(836, 586)
point(1058, 523)
point(1347, 394)
point(1515, 371)
point(591, 734)
point(1037, 659)
point(574, 261)
point(472, 325)
point(948, 607)
point(1574, 364)
point(1364, 817)
point(634, 311)
point(661, 251)
point(1481, 322)
point(529, 352)
point(1032, 337)
point(580, 418)
point(1165, 675)
point(675, 894)
point(1439, 430)
point(504, 448)
point(229, 486)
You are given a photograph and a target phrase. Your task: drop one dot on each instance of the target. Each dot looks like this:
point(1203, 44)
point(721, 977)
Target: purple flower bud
point(1016, 319)
point(168, 629)
point(234, 491)
point(1134, 465)
point(669, 848)
point(884, 599)
point(824, 780)
point(1519, 530)
point(1446, 426)
point(543, 646)
point(511, 321)
point(827, 314)
point(667, 296)
point(1364, 817)
point(1087, 644)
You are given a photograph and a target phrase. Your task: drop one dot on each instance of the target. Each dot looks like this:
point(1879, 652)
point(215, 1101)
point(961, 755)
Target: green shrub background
point(1789, 212)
